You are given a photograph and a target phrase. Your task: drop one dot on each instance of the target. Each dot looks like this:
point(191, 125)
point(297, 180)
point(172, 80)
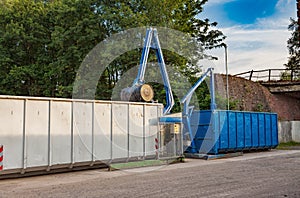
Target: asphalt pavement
point(274, 173)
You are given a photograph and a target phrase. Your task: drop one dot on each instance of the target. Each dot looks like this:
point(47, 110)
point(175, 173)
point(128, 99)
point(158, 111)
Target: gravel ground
point(266, 174)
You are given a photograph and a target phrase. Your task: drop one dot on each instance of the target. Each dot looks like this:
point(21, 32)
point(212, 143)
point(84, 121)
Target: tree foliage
point(294, 46)
point(43, 42)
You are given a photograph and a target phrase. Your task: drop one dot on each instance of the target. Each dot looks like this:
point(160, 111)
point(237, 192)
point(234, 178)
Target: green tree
point(76, 29)
point(294, 48)
point(42, 43)
point(22, 44)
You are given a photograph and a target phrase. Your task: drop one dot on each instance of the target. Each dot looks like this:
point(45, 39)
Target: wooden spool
point(140, 93)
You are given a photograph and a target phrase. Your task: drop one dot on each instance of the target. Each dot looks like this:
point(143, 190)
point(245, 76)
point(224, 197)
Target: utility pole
point(226, 68)
point(227, 84)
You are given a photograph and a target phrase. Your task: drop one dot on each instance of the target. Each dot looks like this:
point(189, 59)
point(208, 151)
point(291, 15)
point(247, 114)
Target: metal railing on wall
point(271, 75)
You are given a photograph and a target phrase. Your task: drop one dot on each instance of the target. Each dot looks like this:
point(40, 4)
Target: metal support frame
point(188, 110)
point(152, 42)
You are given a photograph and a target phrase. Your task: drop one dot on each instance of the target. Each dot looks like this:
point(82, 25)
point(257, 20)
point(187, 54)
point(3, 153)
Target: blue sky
point(256, 32)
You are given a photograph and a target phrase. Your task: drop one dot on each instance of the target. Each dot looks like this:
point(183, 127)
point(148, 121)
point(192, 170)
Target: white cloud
point(253, 49)
point(284, 9)
point(272, 23)
point(283, 5)
point(261, 45)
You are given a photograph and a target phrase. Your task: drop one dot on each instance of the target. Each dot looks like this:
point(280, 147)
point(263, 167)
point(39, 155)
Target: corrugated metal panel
point(248, 136)
point(226, 131)
point(274, 131)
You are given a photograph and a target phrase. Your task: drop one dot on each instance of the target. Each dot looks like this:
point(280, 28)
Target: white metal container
point(51, 133)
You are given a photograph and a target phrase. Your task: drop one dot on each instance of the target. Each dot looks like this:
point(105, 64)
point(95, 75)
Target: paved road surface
point(266, 174)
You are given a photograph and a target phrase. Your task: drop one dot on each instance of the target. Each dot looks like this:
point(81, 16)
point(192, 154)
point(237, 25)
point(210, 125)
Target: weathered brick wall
point(252, 96)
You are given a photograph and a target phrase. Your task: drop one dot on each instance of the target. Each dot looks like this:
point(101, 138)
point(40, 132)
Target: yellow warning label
point(176, 128)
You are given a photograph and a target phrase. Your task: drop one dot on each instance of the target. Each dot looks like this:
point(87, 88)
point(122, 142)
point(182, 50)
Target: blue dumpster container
point(223, 131)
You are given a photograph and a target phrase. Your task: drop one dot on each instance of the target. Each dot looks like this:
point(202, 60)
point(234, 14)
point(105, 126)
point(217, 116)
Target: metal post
point(144, 132)
point(251, 73)
point(24, 142)
point(93, 134)
point(212, 91)
point(227, 84)
point(49, 136)
point(72, 136)
point(111, 131)
point(128, 133)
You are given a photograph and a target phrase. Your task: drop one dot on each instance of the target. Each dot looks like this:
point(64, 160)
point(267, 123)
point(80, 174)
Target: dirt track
point(267, 174)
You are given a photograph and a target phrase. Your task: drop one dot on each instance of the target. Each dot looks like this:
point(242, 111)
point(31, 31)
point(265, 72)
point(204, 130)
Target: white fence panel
point(136, 130)
point(82, 131)
point(102, 141)
point(151, 128)
point(120, 131)
point(36, 132)
point(11, 132)
point(60, 131)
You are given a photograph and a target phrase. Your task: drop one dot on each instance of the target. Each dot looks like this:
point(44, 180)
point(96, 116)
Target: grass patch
point(137, 164)
point(145, 163)
point(288, 145)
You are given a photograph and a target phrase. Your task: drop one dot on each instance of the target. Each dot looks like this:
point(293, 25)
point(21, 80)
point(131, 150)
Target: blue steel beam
point(152, 42)
point(143, 61)
point(188, 110)
point(164, 73)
